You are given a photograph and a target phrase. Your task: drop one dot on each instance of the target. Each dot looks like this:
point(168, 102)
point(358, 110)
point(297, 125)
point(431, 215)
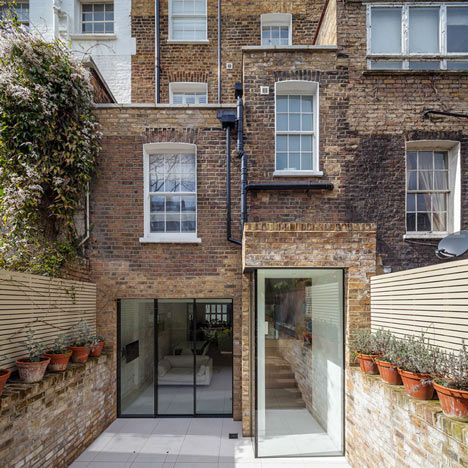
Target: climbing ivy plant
point(49, 140)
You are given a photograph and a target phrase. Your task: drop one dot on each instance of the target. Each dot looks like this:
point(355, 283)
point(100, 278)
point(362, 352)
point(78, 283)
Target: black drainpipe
point(241, 153)
point(228, 120)
point(219, 50)
point(158, 51)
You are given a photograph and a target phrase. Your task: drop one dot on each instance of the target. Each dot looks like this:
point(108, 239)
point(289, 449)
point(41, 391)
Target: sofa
point(178, 370)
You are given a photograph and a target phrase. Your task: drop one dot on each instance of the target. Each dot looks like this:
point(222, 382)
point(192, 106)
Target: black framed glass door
point(175, 357)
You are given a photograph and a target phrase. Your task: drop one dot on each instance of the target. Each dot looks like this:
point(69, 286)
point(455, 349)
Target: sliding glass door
point(176, 357)
point(299, 381)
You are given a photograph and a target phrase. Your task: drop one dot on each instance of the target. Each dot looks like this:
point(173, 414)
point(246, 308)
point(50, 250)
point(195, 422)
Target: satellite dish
point(453, 246)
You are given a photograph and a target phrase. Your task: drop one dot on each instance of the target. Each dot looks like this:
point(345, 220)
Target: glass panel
point(441, 180)
point(424, 30)
point(282, 103)
point(424, 65)
point(425, 160)
point(440, 160)
point(424, 221)
point(175, 357)
point(386, 30)
point(98, 27)
point(281, 161)
point(412, 180)
point(214, 348)
point(425, 180)
point(439, 222)
point(300, 363)
point(411, 222)
point(410, 202)
point(295, 122)
point(412, 160)
point(457, 65)
point(457, 29)
point(423, 202)
point(281, 143)
point(386, 65)
point(137, 357)
point(282, 122)
point(294, 161)
point(306, 162)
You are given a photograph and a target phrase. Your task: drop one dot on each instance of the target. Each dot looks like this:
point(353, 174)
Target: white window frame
point(187, 88)
point(187, 41)
point(79, 27)
point(405, 56)
point(454, 184)
point(301, 87)
point(169, 237)
point(279, 20)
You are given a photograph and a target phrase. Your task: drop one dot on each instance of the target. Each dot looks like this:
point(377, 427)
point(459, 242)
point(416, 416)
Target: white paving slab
point(184, 443)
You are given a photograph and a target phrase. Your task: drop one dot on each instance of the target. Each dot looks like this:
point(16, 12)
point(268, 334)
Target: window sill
point(170, 239)
point(93, 37)
point(371, 72)
point(297, 174)
point(173, 41)
point(425, 235)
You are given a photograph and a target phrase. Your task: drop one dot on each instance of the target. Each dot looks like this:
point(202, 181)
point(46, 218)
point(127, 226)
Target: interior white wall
point(112, 54)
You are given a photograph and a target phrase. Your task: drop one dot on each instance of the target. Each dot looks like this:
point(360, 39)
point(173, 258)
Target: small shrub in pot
point(59, 355)
point(79, 341)
point(32, 368)
point(387, 361)
point(451, 383)
point(97, 345)
point(366, 347)
point(415, 365)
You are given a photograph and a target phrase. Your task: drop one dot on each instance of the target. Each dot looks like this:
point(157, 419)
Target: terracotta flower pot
point(58, 362)
point(80, 354)
point(96, 350)
point(388, 372)
point(31, 372)
point(454, 402)
point(418, 386)
point(367, 364)
point(4, 376)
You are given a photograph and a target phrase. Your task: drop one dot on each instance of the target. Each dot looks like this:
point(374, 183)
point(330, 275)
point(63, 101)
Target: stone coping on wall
point(310, 227)
point(429, 412)
point(20, 394)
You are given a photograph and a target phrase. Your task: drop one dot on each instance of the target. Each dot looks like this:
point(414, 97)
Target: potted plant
point(79, 342)
point(97, 345)
point(386, 362)
point(451, 384)
point(366, 349)
point(58, 354)
point(32, 368)
point(4, 375)
point(415, 364)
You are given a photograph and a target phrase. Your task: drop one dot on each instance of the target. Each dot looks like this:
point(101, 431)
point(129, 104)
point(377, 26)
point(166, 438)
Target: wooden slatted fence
point(50, 306)
point(432, 299)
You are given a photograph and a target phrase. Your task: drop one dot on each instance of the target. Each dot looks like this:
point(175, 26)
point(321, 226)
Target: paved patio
point(183, 443)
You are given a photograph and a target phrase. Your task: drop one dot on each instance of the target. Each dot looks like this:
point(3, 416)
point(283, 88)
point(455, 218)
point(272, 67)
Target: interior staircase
point(282, 391)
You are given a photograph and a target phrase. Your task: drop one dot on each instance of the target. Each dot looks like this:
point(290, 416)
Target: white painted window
point(417, 37)
point(170, 185)
point(188, 20)
point(18, 10)
point(432, 188)
point(297, 128)
point(185, 94)
point(276, 29)
point(97, 17)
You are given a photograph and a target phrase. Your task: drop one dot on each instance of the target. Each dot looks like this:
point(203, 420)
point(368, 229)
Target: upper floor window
point(18, 10)
point(187, 22)
point(276, 29)
point(418, 37)
point(170, 186)
point(297, 128)
point(432, 188)
point(181, 93)
point(97, 18)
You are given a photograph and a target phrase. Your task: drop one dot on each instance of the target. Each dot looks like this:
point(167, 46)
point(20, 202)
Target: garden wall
point(387, 428)
point(48, 424)
point(50, 306)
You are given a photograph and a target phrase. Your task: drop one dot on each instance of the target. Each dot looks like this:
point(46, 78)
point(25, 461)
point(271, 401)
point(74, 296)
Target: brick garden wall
point(387, 428)
point(48, 424)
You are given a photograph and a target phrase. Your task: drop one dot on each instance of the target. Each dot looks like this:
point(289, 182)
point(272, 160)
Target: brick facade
point(365, 117)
